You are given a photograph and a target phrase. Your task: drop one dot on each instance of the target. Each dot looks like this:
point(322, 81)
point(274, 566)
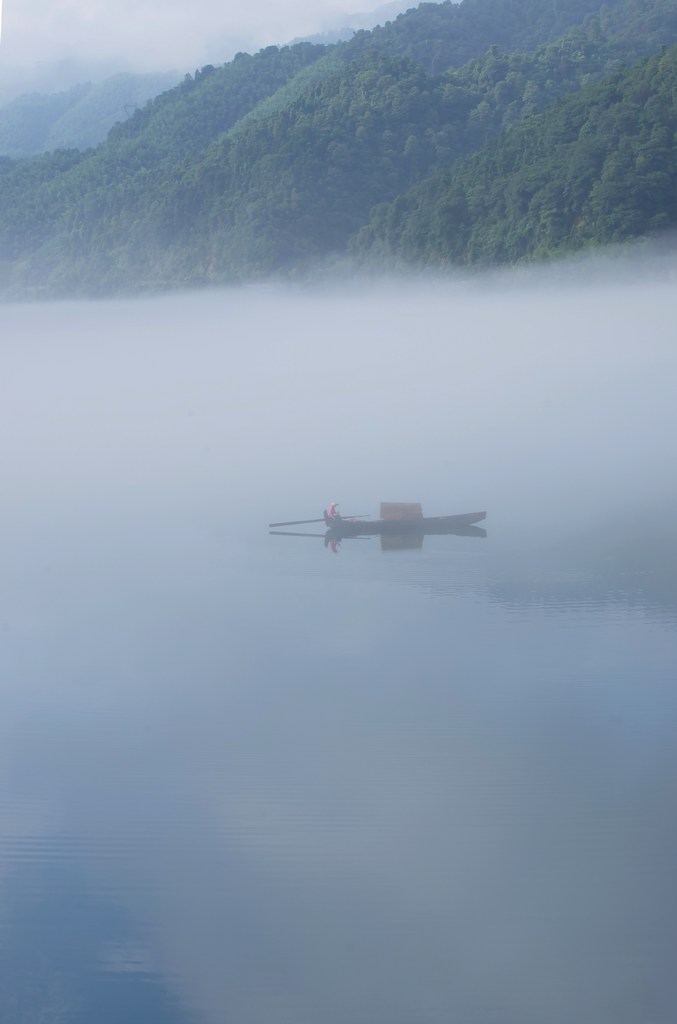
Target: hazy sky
point(159, 33)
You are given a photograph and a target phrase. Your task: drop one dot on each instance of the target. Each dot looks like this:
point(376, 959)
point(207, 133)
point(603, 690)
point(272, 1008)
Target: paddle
point(307, 522)
point(295, 522)
point(283, 534)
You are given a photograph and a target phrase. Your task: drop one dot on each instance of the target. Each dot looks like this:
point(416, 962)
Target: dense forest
point(448, 35)
point(599, 167)
point(423, 140)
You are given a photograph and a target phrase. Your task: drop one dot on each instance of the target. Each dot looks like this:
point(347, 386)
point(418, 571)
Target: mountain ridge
point(277, 160)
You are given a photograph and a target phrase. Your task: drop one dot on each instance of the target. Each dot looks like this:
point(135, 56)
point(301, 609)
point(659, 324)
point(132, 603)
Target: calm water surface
point(246, 779)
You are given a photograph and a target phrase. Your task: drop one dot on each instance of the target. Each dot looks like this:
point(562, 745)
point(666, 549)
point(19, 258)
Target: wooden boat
point(428, 526)
point(400, 526)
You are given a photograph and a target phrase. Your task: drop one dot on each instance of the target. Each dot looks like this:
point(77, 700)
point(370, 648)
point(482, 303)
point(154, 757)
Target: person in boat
point(332, 516)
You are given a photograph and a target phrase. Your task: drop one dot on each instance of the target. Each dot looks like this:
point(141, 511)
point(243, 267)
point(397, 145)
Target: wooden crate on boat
point(400, 511)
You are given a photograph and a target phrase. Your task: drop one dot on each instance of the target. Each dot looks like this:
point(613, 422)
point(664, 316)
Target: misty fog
point(285, 784)
point(162, 34)
point(537, 397)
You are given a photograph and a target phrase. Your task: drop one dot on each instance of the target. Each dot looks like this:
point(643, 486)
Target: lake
point(247, 778)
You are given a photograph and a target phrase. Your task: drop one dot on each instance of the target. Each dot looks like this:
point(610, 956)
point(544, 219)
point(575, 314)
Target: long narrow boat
point(428, 526)
point(400, 527)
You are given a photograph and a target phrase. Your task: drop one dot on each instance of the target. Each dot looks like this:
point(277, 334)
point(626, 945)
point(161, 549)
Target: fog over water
point(245, 778)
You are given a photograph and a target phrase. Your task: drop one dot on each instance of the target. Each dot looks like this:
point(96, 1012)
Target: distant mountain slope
point(600, 167)
point(48, 78)
point(79, 118)
point(344, 28)
point(275, 161)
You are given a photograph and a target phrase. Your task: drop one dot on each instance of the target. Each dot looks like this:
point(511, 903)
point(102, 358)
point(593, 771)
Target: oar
point(283, 534)
point(295, 522)
point(307, 522)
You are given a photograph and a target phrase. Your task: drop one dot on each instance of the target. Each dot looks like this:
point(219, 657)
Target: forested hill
point(278, 160)
point(599, 167)
point(447, 35)
point(437, 36)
